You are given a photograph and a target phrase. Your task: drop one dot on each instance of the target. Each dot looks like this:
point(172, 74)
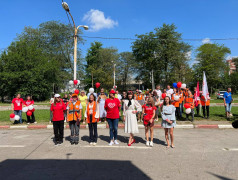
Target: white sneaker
point(35, 122)
point(151, 144)
point(91, 143)
point(94, 143)
point(111, 143)
point(28, 123)
point(115, 142)
point(64, 120)
point(147, 143)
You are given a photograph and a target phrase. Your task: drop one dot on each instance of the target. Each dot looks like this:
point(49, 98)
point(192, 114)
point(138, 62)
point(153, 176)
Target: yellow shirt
point(83, 100)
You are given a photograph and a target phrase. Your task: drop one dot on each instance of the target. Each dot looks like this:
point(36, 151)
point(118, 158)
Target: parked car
point(220, 94)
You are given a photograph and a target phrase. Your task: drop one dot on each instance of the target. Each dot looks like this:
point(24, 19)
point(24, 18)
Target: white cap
point(57, 95)
point(140, 91)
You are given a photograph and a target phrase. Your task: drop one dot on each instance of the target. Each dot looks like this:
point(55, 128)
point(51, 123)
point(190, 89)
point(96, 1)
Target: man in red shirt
point(17, 106)
point(112, 106)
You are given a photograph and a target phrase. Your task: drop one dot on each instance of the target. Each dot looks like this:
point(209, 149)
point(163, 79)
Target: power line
point(133, 39)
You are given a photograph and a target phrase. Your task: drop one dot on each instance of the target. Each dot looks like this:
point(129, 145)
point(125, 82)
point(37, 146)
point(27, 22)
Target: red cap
point(112, 92)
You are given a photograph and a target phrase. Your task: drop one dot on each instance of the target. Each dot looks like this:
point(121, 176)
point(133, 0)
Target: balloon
point(183, 86)
point(175, 85)
point(12, 115)
point(91, 90)
point(176, 98)
point(78, 82)
point(25, 109)
point(76, 91)
point(17, 118)
point(188, 111)
point(75, 82)
point(12, 119)
point(179, 84)
point(97, 85)
point(163, 95)
point(29, 113)
point(30, 107)
point(71, 82)
point(186, 105)
point(33, 110)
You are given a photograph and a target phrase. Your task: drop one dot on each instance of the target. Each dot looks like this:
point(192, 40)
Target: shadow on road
point(69, 169)
point(219, 177)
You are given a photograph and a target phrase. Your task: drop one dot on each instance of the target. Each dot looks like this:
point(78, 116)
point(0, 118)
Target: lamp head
point(65, 6)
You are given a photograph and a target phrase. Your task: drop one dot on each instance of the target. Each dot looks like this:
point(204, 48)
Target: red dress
point(148, 110)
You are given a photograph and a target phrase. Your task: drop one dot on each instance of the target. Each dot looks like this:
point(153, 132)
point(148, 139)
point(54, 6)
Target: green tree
point(163, 52)
point(211, 60)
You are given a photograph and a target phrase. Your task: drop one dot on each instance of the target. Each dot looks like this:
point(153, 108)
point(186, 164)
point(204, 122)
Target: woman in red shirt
point(112, 106)
point(29, 101)
point(148, 110)
point(58, 108)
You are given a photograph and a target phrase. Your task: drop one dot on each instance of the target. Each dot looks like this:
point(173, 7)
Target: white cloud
point(206, 41)
point(97, 20)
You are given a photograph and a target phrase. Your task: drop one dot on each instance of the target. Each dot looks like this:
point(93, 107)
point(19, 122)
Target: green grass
point(43, 116)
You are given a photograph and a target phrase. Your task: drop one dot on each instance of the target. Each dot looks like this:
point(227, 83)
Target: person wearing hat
point(83, 99)
point(58, 108)
point(74, 117)
point(112, 106)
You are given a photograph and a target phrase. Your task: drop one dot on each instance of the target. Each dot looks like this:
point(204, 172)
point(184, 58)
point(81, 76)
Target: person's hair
point(18, 94)
point(94, 97)
point(155, 93)
point(29, 96)
point(55, 101)
point(228, 88)
point(164, 103)
point(130, 93)
point(152, 101)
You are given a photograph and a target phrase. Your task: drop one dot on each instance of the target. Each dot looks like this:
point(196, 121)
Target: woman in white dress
point(131, 107)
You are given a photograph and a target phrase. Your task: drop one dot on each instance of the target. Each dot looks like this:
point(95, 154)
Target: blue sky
point(195, 19)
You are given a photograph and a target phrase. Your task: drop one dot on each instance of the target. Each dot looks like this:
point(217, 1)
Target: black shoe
point(72, 142)
point(56, 143)
point(60, 142)
point(208, 117)
point(76, 143)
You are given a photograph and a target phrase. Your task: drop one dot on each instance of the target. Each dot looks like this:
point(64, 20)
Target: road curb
point(121, 126)
point(207, 126)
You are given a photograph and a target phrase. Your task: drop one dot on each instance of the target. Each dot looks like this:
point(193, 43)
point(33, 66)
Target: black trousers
point(177, 112)
point(58, 130)
point(93, 132)
point(204, 108)
point(198, 109)
point(31, 119)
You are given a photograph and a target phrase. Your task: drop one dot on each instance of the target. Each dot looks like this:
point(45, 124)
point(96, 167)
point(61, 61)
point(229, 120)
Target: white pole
point(114, 75)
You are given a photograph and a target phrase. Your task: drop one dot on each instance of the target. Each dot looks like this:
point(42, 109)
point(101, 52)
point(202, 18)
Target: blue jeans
point(113, 126)
point(181, 109)
point(18, 112)
point(228, 107)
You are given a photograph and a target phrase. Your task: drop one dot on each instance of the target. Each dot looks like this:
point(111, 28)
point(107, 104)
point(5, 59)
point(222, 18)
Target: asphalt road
point(199, 154)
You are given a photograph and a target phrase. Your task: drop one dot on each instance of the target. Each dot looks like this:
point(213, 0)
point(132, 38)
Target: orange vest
point(203, 101)
point(181, 98)
point(139, 97)
point(74, 111)
point(189, 100)
point(175, 103)
point(94, 113)
point(185, 92)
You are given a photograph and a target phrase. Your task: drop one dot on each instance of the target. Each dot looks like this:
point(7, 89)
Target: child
point(148, 110)
point(29, 101)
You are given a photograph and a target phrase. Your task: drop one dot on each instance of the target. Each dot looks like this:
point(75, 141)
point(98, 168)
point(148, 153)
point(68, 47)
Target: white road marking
point(9, 146)
point(129, 147)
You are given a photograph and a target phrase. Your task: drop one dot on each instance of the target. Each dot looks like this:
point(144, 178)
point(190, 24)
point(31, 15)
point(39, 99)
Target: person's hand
point(151, 120)
point(225, 105)
point(124, 118)
point(134, 112)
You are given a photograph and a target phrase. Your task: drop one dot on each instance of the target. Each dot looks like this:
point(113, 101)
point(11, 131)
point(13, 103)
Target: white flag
point(204, 87)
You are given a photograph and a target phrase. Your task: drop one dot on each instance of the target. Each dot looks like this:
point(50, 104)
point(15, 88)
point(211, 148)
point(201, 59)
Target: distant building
point(232, 66)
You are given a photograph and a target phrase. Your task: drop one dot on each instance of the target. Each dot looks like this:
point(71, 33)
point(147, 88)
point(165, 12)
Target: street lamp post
point(66, 8)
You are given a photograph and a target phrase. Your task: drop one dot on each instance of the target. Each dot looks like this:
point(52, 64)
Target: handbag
point(235, 124)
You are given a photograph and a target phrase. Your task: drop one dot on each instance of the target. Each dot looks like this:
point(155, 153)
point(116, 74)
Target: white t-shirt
point(119, 96)
point(169, 92)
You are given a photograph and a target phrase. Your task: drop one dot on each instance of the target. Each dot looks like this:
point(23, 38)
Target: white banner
point(204, 86)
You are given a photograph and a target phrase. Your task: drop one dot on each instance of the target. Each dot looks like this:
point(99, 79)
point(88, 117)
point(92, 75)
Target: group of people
point(18, 103)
